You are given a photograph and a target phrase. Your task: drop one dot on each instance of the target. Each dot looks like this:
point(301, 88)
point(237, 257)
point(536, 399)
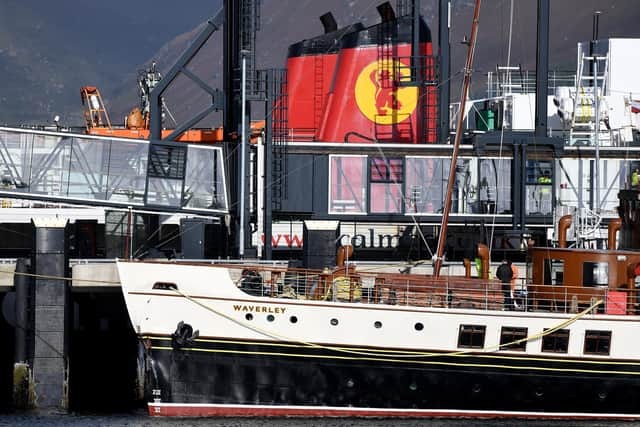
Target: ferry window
point(539, 185)
point(597, 342)
point(553, 271)
point(347, 184)
point(595, 273)
point(386, 178)
point(494, 186)
point(509, 335)
point(556, 342)
point(471, 336)
point(426, 179)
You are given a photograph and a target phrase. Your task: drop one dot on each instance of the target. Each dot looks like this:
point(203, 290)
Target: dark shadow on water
point(140, 419)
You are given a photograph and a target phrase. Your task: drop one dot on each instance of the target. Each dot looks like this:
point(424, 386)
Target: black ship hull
point(223, 377)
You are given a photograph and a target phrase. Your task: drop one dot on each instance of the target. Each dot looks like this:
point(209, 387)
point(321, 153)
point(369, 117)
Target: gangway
point(112, 172)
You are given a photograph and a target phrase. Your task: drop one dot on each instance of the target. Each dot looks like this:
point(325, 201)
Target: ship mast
point(456, 145)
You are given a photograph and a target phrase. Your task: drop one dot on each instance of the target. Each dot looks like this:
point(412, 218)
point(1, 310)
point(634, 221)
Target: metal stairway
point(590, 88)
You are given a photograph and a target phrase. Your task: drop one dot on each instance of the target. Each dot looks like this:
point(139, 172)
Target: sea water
point(143, 420)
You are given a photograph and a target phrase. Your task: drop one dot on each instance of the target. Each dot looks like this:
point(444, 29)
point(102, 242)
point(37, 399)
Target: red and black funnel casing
point(345, 86)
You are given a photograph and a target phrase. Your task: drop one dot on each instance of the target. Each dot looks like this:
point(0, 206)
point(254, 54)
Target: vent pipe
point(613, 228)
point(563, 226)
point(386, 12)
point(329, 23)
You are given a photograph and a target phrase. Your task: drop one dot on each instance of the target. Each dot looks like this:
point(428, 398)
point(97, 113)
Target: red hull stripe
point(220, 410)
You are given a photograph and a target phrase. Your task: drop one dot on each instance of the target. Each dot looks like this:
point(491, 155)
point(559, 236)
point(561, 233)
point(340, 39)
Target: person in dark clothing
point(505, 274)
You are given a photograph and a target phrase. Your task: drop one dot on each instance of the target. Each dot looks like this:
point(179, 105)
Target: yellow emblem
point(378, 95)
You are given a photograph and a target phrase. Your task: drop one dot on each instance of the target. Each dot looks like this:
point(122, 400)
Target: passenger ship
point(271, 341)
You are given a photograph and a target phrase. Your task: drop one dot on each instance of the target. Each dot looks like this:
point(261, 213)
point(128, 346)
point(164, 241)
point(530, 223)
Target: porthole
point(334, 322)
point(293, 319)
point(270, 318)
point(418, 326)
point(377, 324)
point(248, 316)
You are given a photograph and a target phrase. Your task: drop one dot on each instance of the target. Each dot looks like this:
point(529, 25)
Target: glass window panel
point(553, 271)
point(426, 180)
point(165, 192)
point(386, 198)
point(347, 184)
point(595, 273)
point(471, 336)
point(386, 169)
point(494, 187)
point(88, 170)
point(510, 336)
point(16, 174)
point(50, 166)
point(597, 342)
point(556, 342)
point(204, 182)
point(127, 171)
point(539, 187)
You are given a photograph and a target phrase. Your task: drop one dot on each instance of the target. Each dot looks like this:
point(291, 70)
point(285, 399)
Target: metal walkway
point(119, 173)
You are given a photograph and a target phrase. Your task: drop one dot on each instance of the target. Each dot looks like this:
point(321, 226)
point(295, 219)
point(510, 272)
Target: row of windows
point(593, 273)
point(360, 184)
point(511, 338)
point(514, 339)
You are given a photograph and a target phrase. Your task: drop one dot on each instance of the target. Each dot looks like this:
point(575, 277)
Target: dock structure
point(52, 319)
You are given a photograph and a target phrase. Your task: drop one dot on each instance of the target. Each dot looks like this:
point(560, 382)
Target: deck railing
point(455, 292)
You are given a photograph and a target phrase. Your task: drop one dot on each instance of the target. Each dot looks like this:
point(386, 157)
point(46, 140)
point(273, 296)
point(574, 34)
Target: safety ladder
point(318, 92)
point(592, 74)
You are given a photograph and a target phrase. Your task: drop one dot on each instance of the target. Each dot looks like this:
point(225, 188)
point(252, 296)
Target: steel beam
point(444, 86)
point(155, 98)
point(542, 68)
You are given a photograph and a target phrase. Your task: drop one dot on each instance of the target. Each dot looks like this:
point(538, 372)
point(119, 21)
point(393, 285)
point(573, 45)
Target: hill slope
point(49, 49)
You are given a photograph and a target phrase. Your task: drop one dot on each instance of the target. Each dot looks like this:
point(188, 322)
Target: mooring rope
point(394, 353)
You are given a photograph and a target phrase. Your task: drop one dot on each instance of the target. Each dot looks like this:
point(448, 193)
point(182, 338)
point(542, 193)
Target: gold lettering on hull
point(259, 309)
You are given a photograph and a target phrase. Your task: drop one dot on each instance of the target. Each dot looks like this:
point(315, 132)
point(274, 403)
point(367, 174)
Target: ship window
point(509, 335)
point(384, 169)
point(386, 177)
point(595, 274)
point(418, 326)
point(556, 342)
point(553, 271)
point(493, 187)
point(597, 342)
point(426, 179)
point(347, 184)
point(539, 185)
point(471, 336)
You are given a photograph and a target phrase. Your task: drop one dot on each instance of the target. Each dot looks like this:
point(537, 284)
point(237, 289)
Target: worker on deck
point(505, 274)
point(634, 178)
point(514, 279)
